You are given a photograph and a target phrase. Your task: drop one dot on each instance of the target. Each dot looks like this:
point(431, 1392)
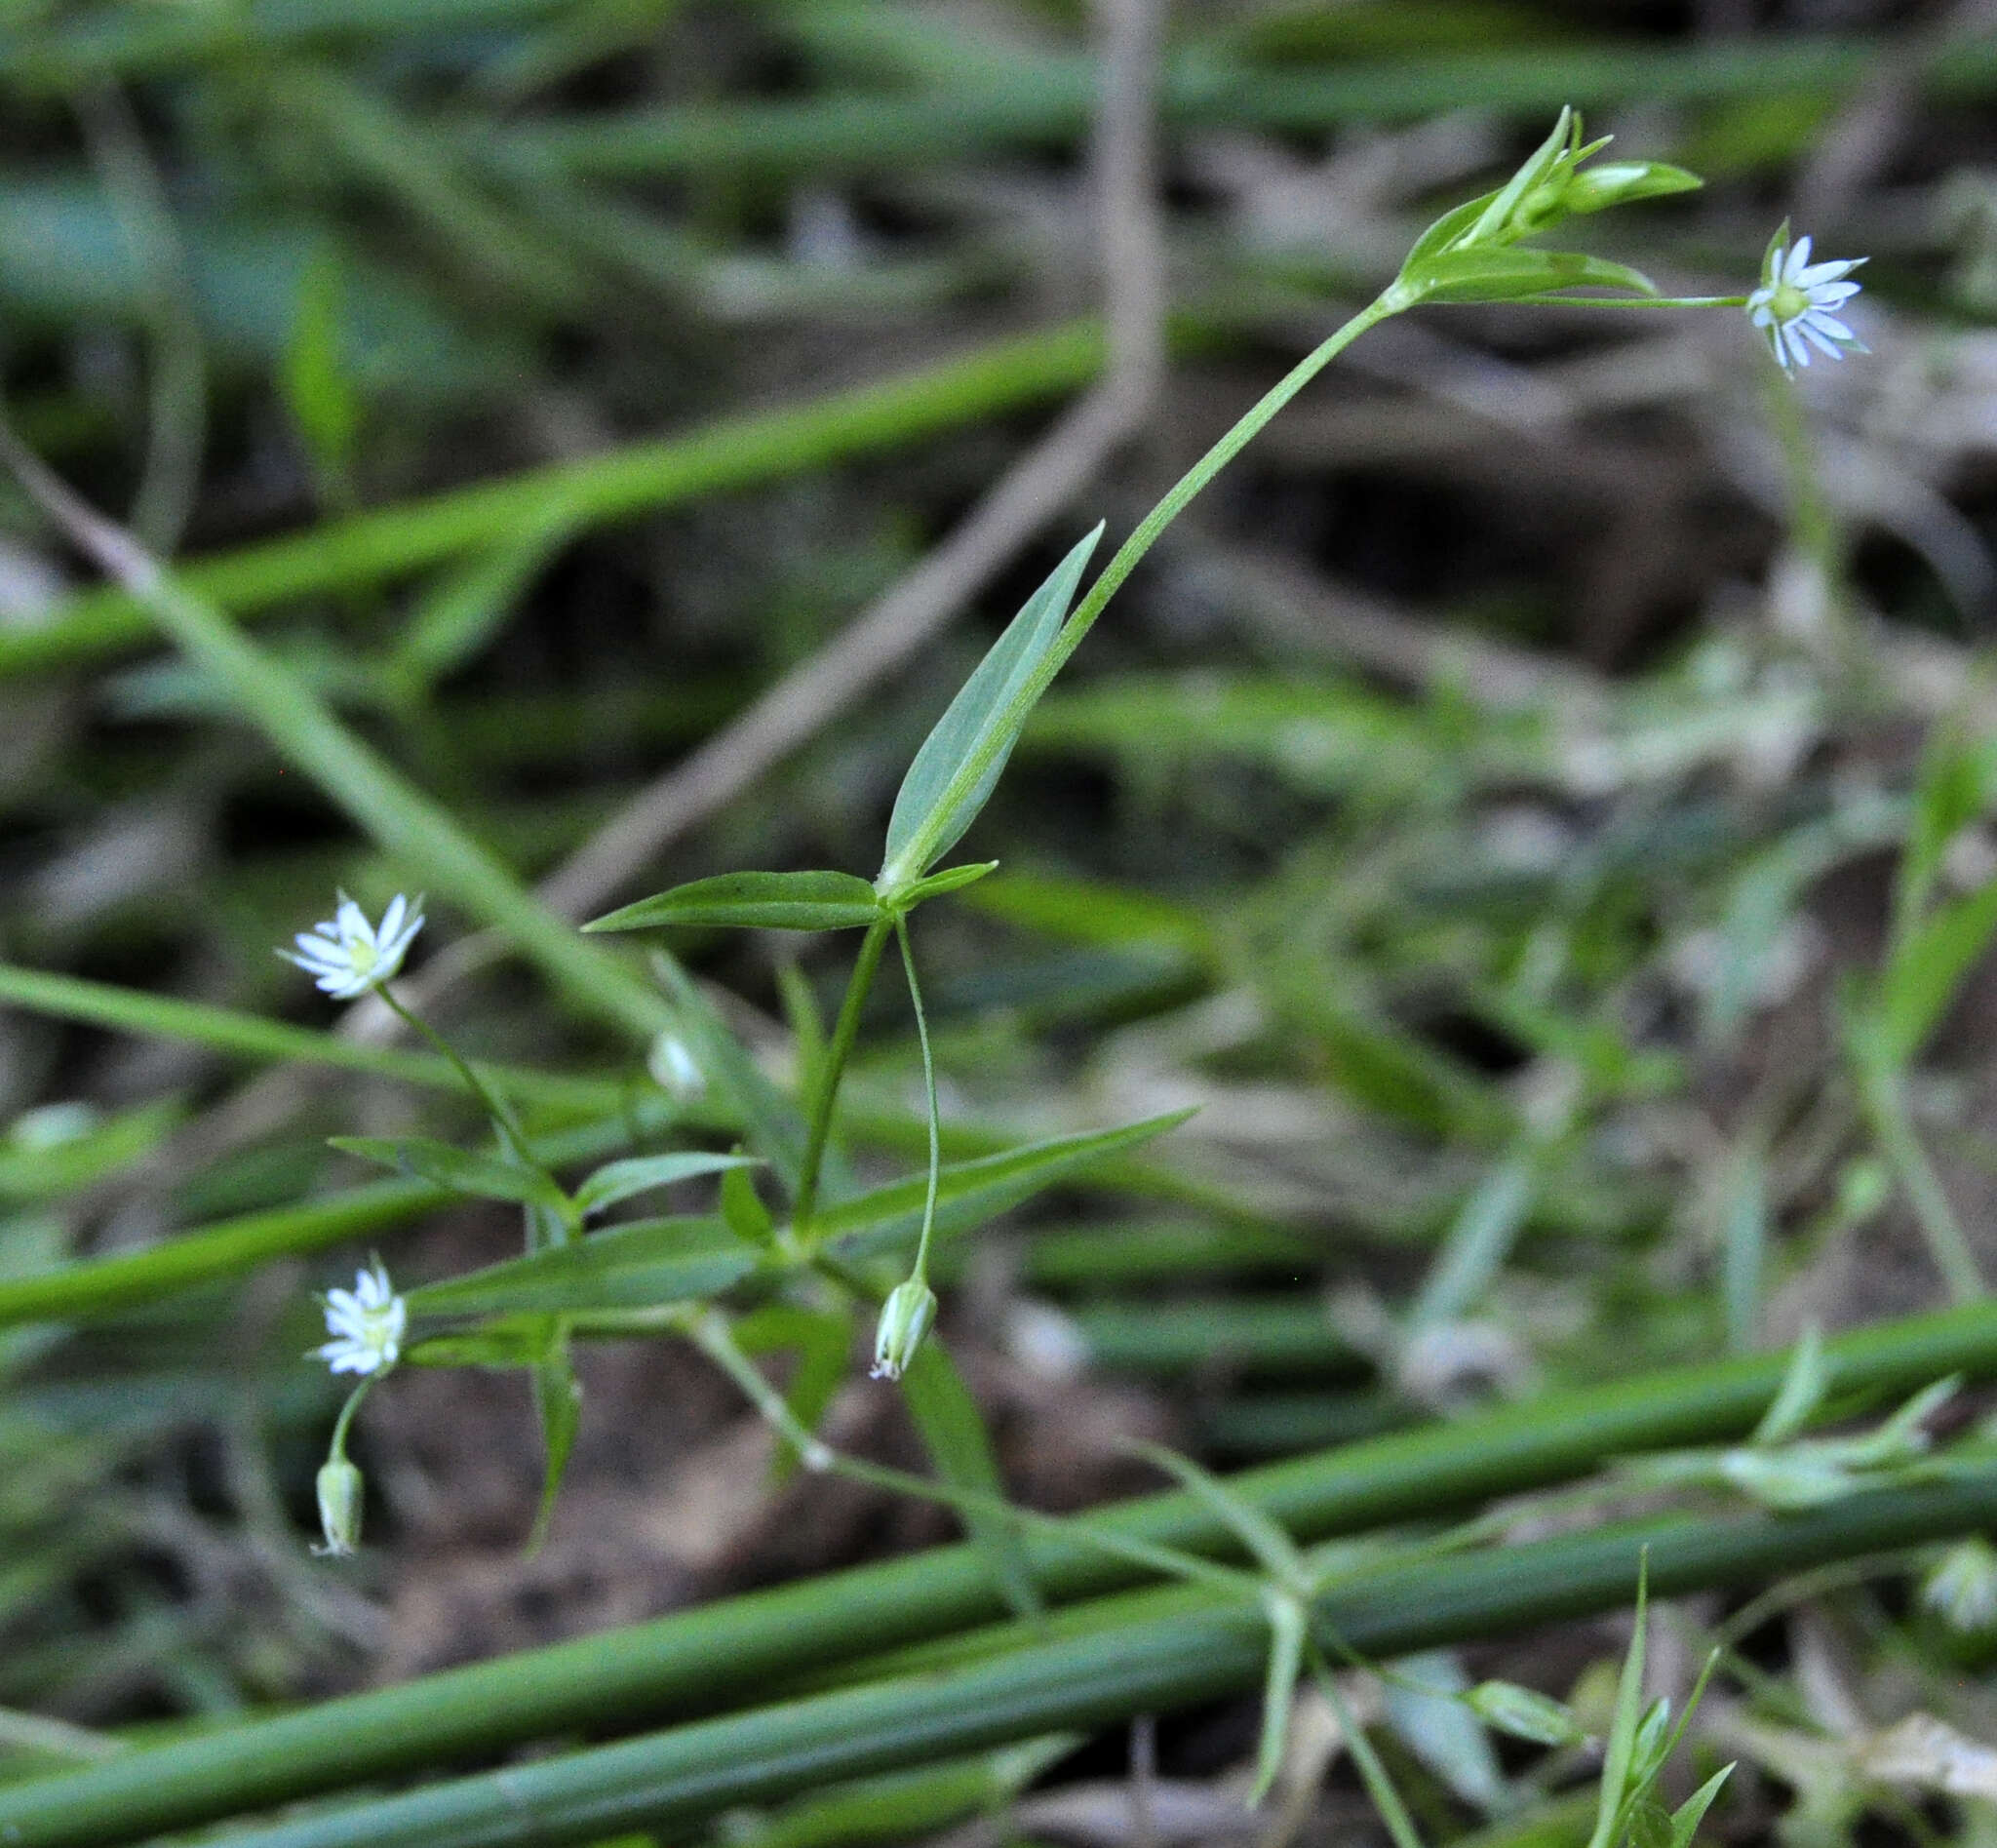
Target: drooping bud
point(341, 1491)
point(905, 1319)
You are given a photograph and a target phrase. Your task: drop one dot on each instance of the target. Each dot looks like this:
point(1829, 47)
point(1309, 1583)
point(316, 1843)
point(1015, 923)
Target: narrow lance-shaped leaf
point(961, 1447)
point(1287, 1629)
point(618, 1181)
point(1802, 1392)
point(969, 1193)
point(1505, 273)
point(639, 1266)
point(928, 818)
point(1927, 968)
point(755, 901)
point(485, 1176)
point(558, 1403)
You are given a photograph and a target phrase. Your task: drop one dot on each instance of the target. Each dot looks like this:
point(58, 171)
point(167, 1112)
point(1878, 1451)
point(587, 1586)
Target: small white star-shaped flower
point(347, 956)
point(1797, 304)
point(367, 1323)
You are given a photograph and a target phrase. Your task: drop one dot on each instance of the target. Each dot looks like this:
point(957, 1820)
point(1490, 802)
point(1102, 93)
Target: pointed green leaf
point(961, 1449)
point(1804, 1385)
point(954, 878)
point(742, 1207)
point(1616, 1778)
point(639, 1266)
point(618, 1181)
point(1288, 1627)
point(1685, 1819)
point(1267, 1545)
point(755, 901)
point(774, 1127)
point(1524, 1713)
point(1426, 1706)
point(1505, 273)
point(823, 1342)
point(519, 1342)
point(485, 1177)
point(969, 1193)
point(1927, 967)
point(558, 1403)
point(929, 817)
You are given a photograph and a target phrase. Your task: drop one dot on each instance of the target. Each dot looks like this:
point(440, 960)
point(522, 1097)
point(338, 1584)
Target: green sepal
point(755, 901)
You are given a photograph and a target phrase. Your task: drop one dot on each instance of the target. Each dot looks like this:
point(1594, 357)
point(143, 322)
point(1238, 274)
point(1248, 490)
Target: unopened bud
point(341, 1490)
point(1523, 1713)
point(905, 1319)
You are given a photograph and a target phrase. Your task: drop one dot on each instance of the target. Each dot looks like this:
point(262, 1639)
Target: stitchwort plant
point(830, 1247)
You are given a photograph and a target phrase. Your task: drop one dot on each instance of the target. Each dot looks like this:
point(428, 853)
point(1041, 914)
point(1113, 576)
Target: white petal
point(1822, 344)
point(391, 919)
point(1797, 349)
point(1798, 256)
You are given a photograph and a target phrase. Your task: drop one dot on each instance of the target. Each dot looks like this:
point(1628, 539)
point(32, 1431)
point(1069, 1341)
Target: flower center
point(1788, 301)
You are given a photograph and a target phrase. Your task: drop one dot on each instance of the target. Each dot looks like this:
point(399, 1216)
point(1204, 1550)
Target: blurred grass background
point(1486, 805)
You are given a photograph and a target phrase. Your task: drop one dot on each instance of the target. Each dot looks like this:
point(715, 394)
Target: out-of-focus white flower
point(1961, 1590)
point(1797, 304)
point(366, 1323)
point(347, 956)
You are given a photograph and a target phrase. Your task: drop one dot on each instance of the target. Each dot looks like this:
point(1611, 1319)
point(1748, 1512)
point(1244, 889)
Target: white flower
point(1796, 305)
point(366, 1322)
point(348, 955)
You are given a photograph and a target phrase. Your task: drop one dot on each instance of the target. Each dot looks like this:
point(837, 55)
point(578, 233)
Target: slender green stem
point(496, 1106)
point(717, 458)
point(250, 1035)
point(1386, 1800)
point(336, 1450)
point(1626, 301)
point(711, 1333)
point(910, 864)
point(833, 1069)
point(1884, 1101)
point(703, 1659)
point(1163, 1653)
point(920, 1270)
point(403, 820)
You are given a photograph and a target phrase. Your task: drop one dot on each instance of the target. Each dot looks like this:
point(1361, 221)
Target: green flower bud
point(905, 1319)
point(1618, 182)
point(341, 1493)
point(1523, 1714)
